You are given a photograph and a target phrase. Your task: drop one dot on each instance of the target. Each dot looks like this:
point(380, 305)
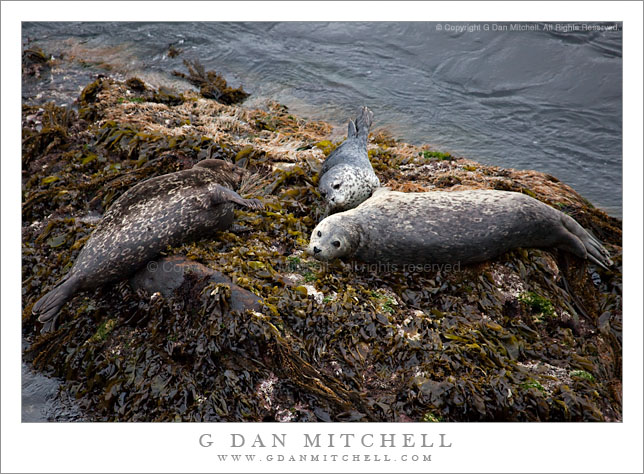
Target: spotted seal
point(347, 177)
point(449, 227)
point(167, 210)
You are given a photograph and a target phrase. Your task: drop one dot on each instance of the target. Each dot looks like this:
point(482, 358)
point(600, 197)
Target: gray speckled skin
point(167, 210)
point(449, 227)
point(347, 177)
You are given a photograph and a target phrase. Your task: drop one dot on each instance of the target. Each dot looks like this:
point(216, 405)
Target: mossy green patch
point(431, 418)
point(582, 374)
point(528, 192)
point(538, 304)
point(103, 330)
point(533, 384)
point(326, 146)
point(134, 100)
point(436, 155)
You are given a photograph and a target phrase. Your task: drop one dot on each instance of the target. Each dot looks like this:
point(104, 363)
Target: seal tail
point(47, 307)
point(594, 250)
point(360, 128)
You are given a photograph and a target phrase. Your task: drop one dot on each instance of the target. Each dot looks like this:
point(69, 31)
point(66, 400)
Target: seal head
point(347, 177)
point(333, 238)
point(227, 174)
point(345, 186)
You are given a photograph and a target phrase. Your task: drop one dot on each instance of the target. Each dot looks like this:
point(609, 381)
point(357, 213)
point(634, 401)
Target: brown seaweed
point(503, 340)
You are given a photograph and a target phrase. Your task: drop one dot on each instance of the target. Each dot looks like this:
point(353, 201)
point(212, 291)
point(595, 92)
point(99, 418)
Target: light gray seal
point(167, 210)
point(449, 227)
point(347, 177)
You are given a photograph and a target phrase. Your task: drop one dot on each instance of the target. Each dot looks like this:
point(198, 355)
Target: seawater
point(543, 96)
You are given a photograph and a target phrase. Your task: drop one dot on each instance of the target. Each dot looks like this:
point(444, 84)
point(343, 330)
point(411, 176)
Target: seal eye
point(336, 244)
point(319, 234)
point(337, 185)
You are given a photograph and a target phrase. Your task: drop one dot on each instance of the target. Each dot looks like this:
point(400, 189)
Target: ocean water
point(548, 99)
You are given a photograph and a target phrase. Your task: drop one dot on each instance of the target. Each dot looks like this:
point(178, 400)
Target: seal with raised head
point(449, 227)
point(167, 210)
point(347, 177)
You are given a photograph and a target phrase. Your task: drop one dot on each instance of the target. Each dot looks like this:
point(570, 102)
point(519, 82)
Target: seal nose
point(316, 250)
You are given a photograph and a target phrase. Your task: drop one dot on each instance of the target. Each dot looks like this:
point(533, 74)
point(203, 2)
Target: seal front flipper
point(222, 195)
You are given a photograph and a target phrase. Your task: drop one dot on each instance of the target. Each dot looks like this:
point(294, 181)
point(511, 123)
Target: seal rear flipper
point(47, 307)
point(596, 261)
point(352, 131)
point(594, 250)
point(363, 123)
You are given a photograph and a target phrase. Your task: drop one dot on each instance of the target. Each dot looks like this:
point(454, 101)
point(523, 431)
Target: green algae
point(326, 146)
point(134, 100)
point(583, 375)
point(102, 331)
point(431, 418)
point(533, 384)
point(436, 155)
point(528, 192)
point(538, 304)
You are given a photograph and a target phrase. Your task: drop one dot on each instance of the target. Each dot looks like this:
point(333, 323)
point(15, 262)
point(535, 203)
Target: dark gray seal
point(449, 227)
point(347, 177)
point(167, 275)
point(167, 210)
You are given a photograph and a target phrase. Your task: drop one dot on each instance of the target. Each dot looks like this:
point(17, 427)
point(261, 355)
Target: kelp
point(35, 62)
point(532, 335)
point(211, 84)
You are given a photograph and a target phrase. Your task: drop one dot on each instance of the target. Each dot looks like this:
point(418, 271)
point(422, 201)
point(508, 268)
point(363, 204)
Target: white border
point(483, 447)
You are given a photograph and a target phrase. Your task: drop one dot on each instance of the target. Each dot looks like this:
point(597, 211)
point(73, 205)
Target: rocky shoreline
point(532, 335)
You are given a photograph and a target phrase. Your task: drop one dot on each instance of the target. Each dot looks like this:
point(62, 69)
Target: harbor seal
point(167, 210)
point(347, 177)
point(449, 227)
